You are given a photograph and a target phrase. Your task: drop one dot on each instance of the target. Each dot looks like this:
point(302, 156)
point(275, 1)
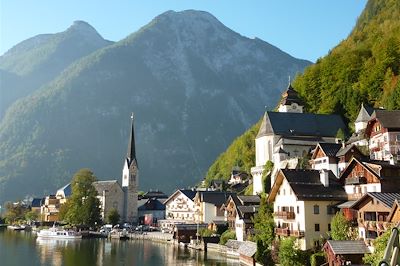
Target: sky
point(305, 29)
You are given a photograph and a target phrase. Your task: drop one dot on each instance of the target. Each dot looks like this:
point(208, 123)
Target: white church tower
point(130, 180)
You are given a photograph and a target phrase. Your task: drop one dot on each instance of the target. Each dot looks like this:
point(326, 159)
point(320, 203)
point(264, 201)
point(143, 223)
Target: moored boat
point(58, 233)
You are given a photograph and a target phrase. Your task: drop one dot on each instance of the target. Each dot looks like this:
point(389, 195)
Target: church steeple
point(131, 154)
point(290, 101)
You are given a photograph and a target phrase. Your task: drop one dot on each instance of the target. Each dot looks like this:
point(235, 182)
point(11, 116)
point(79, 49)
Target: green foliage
point(289, 255)
point(205, 232)
point(264, 230)
point(266, 176)
point(362, 68)
point(228, 234)
point(83, 207)
point(317, 259)
point(379, 245)
point(240, 153)
point(31, 216)
point(113, 217)
point(15, 212)
point(340, 227)
point(340, 134)
point(249, 190)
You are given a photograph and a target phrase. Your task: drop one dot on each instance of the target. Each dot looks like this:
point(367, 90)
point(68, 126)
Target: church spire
point(131, 154)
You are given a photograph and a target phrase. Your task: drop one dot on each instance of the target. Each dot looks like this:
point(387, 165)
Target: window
point(329, 227)
point(330, 210)
point(398, 137)
point(316, 209)
point(284, 192)
point(298, 209)
point(316, 227)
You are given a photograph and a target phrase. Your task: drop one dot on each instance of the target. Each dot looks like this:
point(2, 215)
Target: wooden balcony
point(288, 232)
point(356, 180)
point(285, 215)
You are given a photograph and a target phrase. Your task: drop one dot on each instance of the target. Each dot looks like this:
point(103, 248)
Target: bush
point(228, 234)
point(317, 259)
point(205, 232)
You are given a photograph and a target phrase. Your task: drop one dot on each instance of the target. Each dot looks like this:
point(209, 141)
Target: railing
point(285, 215)
point(355, 180)
point(288, 232)
point(391, 255)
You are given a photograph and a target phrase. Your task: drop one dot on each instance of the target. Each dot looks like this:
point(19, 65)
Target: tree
point(31, 216)
point(83, 207)
point(380, 246)
point(264, 231)
point(228, 234)
point(340, 227)
point(113, 217)
point(289, 255)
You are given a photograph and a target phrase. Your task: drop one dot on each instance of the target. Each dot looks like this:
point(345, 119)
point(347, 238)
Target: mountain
point(363, 68)
point(32, 63)
point(192, 83)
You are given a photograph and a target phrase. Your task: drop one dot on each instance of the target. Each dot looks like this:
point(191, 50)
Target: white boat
point(58, 233)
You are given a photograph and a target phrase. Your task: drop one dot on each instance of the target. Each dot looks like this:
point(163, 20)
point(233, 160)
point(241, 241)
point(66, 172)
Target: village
point(305, 169)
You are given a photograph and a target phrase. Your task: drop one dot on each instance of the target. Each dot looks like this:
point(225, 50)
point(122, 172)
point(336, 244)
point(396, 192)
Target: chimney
point(324, 177)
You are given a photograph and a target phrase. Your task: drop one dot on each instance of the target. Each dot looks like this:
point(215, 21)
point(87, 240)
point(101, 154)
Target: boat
point(119, 234)
point(58, 233)
point(15, 227)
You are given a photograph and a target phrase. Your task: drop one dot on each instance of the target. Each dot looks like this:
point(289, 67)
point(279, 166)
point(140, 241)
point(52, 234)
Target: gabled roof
point(300, 124)
point(290, 96)
point(349, 167)
point(386, 199)
point(346, 149)
point(247, 209)
point(151, 205)
point(214, 197)
point(252, 199)
point(345, 247)
point(395, 208)
point(189, 193)
point(67, 190)
point(330, 149)
point(307, 185)
point(105, 185)
point(154, 194)
point(388, 119)
point(247, 248)
point(365, 113)
point(37, 202)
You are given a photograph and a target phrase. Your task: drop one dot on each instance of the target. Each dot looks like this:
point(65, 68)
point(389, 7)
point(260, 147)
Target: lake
point(23, 248)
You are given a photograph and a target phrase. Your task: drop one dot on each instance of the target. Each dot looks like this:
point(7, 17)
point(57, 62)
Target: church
point(287, 135)
point(122, 196)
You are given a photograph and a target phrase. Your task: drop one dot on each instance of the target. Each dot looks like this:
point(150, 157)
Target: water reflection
point(25, 249)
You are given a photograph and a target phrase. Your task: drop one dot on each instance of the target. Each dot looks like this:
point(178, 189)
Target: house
point(36, 205)
point(208, 206)
point(364, 115)
point(111, 197)
point(151, 210)
point(383, 132)
point(237, 177)
point(179, 209)
point(304, 204)
point(345, 154)
point(290, 134)
point(360, 177)
point(373, 212)
point(394, 215)
point(324, 157)
point(247, 250)
point(239, 211)
point(345, 252)
point(51, 204)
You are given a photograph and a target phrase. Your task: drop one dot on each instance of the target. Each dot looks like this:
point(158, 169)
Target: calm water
point(20, 248)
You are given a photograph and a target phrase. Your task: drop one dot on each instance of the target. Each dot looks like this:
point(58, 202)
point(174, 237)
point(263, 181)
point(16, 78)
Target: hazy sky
point(305, 29)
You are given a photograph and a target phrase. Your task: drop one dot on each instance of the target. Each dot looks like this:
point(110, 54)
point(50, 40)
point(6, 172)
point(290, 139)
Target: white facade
point(292, 108)
point(207, 213)
point(180, 207)
point(239, 229)
point(323, 163)
point(302, 217)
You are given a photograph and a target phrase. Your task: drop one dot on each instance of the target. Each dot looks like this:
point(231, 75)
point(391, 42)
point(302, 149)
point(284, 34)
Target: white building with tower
point(289, 134)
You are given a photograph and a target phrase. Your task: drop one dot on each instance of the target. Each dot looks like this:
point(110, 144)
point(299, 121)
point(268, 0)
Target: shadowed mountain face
point(192, 83)
point(36, 61)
